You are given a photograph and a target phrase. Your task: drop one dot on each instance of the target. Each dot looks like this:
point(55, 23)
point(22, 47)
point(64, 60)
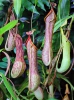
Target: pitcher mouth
point(49, 14)
point(29, 40)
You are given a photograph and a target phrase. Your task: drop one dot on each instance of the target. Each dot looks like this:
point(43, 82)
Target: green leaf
point(2, 87)
point(36, 1)
point(8, 86)
point(55, 43)
point(1, 50)
point(23, 86)
point(3, 65)
point(52, 99)
point(1, 4)
point(63, 9)
point(18, 98)
point(17, 6)
point(2, 1)
point(2, 71)
point(29, 6)
point(59, 23)
point(41, 5)
point(57, 84)
point(4, 59)
point(46, 2)
point(65, 79)
point(42, 70)
point(8, 26)
point(1, 40)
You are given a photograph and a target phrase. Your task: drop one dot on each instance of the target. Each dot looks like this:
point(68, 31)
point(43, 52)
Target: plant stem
point(31, 23)
point(51, 91)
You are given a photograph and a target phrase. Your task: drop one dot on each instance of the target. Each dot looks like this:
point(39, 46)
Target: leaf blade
point(63, 9)
point(3, 65)
point(8, 86)
point(17, 6)
point(8, 26)
point(1, 39)
point(59, 23)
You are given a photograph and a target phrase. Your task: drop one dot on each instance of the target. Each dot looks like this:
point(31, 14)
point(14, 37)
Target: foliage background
point(34, 12)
